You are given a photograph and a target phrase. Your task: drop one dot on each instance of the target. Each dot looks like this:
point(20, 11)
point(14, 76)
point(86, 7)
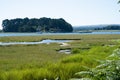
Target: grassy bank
point(74, 37)
point(39, 62)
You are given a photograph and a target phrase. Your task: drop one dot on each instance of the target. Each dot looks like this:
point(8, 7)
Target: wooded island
point(36, 25)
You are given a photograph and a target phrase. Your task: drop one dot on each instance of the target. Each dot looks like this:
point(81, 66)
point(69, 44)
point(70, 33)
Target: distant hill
point(97, 27)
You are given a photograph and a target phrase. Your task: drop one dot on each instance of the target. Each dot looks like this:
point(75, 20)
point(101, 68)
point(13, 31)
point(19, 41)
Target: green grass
point(20, 56)
point(99, 38)
point(108, 69)
point(90, 57)
point(37, 62)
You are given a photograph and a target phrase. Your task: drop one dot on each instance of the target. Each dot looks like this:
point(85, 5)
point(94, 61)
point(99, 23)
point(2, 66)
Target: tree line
point(36, 25)
point(109, 27)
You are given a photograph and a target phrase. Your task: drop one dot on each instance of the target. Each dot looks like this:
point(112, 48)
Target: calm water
point(39, 34)
point(47, 41)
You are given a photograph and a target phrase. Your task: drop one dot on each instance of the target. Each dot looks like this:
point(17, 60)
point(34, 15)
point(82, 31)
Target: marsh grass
point(42, 61)
point(107, 70)
point(90, 57)
point(28, 56)
point(63, 37)
point(51, 72)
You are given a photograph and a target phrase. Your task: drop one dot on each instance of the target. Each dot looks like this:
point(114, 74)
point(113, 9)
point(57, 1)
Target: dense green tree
point(119, 1)
point(32, 25)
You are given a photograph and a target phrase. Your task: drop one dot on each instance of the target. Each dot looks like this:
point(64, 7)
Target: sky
point(75, 12)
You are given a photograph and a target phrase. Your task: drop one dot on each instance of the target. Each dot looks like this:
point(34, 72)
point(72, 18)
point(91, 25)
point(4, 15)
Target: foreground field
point(43, 61)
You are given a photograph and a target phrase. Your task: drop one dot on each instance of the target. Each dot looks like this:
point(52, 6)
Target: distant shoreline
point(11, 34)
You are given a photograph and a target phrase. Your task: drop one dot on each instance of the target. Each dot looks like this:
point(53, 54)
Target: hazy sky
point(76, 12)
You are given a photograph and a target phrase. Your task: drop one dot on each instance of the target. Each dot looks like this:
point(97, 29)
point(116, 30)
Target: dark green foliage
point(119, 1)
point(36, 25)
point(0, 30)
point(75, 51)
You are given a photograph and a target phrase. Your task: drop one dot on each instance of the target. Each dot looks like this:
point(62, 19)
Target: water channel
point(47, 41)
